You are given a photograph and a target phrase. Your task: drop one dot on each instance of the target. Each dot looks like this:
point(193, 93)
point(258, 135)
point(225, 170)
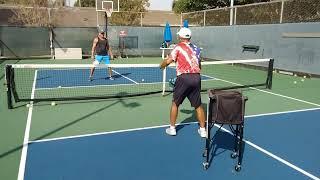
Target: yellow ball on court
point(142, 80)
point(302, 80)
point(304, 76)
point(295, 82)
point(53, 103)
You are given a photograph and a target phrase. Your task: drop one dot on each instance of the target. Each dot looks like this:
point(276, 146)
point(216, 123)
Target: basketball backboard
point(101, 5)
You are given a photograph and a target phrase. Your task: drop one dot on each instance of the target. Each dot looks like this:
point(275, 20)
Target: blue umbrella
point(167, 33)
point(185, 23)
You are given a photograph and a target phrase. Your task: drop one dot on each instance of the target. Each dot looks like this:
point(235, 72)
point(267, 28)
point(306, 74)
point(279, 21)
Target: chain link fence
point(275, 12)
point(83, 17)
point(301, 11)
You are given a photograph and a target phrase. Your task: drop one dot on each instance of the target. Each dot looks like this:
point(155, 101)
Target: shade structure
point(167, 37)
point(185, 23)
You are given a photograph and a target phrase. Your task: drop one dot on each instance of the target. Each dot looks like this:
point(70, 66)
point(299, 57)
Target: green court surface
point(72, 118)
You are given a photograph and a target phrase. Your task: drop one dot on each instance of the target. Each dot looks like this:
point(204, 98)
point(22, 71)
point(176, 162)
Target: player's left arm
point(166, 62)
point(169, 59)
point(110, 53)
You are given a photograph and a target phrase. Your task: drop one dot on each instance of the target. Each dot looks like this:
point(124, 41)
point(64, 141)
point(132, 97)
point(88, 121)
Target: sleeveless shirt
point(102, 47)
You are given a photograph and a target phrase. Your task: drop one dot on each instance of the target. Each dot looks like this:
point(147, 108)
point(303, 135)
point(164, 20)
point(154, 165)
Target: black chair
point(225, 108)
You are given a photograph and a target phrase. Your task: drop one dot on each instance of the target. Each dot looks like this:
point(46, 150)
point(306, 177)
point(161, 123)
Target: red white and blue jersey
point(187, 58)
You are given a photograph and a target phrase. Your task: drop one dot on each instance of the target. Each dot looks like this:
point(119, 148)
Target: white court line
point(275, 157)
point(24, 151)
point(276, 94)
point(152, 127)
point(282, 112)
point(72, 87)
point(125, 77)
point(97, 134)
point(246, 141)
point(268, 92)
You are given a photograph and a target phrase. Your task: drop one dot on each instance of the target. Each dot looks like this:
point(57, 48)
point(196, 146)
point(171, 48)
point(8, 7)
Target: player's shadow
point(120, 75)
point(191, 119)
point(115, 76)
point(224, 143)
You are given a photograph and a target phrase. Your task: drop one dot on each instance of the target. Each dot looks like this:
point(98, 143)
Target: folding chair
point(225, 108)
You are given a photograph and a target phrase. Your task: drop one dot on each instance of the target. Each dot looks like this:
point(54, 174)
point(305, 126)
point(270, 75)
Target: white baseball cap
point(101, 29)
point(184, 33)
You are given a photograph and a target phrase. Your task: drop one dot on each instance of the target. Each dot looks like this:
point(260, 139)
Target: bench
point(68, 53)
point(251, 48)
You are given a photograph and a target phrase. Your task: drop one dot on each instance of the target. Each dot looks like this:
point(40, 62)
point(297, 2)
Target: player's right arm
point(93, 49)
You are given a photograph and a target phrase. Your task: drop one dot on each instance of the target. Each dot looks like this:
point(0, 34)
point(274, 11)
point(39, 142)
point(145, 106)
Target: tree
point(130, 12)
point(34, 12)
point(180, 6)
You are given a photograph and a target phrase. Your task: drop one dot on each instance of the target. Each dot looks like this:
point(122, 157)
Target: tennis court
point(124, 138)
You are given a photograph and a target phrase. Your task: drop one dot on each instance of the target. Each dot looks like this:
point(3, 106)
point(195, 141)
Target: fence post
point(204, 18)
point(231, 12)
point(235, 16)
point(141, 19)
point(281, 12)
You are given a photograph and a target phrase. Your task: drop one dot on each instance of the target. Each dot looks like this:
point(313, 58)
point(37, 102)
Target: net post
point(8, 72)
point(270, 74)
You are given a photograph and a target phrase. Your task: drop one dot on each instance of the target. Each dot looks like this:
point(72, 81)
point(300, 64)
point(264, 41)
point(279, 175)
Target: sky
point(160, 5)
point(154, 4)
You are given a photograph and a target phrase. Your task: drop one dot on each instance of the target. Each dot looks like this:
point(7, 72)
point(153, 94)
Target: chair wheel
point(234, 155)
point(205, 165)
point(237, 168)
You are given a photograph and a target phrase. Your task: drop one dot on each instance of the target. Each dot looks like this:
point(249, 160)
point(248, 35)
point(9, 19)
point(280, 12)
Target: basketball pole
point(231, 12)
point(106, 19)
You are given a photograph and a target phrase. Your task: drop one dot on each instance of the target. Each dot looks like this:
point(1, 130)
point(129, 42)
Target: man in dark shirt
point(101, 52)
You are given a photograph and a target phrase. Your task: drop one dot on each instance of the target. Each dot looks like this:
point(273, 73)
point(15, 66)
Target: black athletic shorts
point(188, 85)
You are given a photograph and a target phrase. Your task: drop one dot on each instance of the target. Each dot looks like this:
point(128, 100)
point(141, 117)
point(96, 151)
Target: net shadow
point(126, 105)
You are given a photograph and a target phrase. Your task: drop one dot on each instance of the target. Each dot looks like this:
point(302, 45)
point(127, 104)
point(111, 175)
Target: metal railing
point(275, 12)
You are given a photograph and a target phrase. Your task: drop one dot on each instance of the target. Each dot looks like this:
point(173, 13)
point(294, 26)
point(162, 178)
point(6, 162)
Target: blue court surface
point(278, 146)
point(79, 77)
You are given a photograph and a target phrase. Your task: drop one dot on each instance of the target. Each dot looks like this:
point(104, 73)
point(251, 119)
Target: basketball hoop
point(108, 12)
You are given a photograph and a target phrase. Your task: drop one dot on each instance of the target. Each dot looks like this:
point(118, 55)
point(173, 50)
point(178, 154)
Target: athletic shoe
point(171, 131)
point(90, 79)
point(111, 78)
point(202, 133)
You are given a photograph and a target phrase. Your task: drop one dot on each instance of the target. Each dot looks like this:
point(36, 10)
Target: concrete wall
point(222, 42)
point(294, 54)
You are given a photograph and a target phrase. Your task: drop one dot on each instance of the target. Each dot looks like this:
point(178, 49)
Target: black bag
point(227, 107)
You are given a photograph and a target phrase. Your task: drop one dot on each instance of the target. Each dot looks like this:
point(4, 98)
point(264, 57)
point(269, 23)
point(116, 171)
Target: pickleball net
point(62, 82)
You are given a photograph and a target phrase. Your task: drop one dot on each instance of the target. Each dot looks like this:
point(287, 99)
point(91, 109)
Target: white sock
point(172, 127)
point(202, 129)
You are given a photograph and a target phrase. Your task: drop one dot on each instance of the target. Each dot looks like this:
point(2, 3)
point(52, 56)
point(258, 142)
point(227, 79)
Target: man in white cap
point(101, 52)
point(188, 82)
